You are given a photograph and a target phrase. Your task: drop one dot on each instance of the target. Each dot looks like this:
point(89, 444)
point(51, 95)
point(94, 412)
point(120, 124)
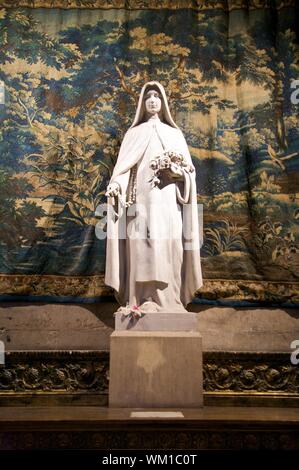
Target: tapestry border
point(92, 288)
point(198, 5)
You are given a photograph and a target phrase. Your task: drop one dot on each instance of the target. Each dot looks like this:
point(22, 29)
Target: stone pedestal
point(156, 369)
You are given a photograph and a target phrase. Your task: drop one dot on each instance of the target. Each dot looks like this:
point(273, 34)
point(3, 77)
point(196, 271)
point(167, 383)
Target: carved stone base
point(209, 428)
point(81, 378)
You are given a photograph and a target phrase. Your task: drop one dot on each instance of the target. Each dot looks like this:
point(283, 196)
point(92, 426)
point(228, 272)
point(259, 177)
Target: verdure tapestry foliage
point(69, 83)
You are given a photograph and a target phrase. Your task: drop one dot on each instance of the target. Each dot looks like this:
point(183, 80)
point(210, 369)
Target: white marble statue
point(153, 238)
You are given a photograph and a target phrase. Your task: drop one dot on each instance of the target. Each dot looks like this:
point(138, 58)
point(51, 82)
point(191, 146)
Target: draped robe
point(163, 266)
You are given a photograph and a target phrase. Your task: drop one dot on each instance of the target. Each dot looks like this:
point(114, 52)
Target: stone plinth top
point(157, 322)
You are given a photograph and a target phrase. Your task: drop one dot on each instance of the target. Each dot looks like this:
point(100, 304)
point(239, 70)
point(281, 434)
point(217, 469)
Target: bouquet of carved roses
point(171, 161)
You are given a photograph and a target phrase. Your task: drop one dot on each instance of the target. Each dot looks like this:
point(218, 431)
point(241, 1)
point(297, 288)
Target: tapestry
point(70, 75)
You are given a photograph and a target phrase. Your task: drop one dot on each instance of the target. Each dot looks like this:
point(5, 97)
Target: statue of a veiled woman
point(153, 238)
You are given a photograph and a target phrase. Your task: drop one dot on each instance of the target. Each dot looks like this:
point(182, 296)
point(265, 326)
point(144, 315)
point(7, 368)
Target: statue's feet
point(138, 311)
point(130, 311)
point(149, 307)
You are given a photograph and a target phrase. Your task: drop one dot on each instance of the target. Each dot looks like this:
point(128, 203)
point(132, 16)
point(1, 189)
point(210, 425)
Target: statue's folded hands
point(174, 171)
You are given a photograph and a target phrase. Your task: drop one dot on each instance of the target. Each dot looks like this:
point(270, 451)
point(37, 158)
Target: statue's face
point(153, 101)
